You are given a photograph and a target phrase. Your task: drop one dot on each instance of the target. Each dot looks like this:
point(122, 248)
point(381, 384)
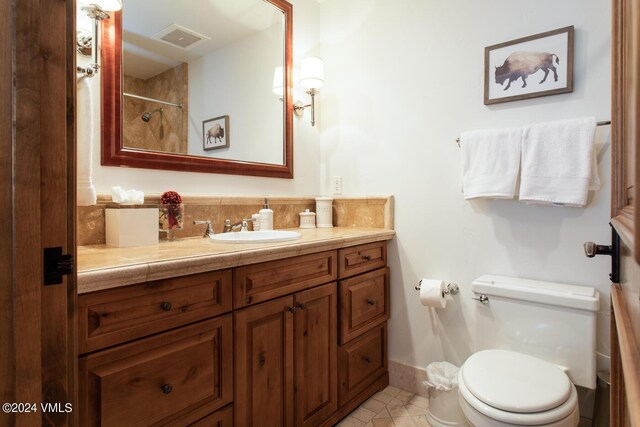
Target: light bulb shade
point(312, 73)
point(278, 81)
point(108, 5)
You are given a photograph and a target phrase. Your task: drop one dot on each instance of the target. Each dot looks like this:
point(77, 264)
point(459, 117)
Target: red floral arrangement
point(172, 201)
point(170, 198)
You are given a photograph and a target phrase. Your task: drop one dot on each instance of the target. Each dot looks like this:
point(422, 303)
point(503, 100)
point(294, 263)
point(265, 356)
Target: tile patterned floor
point(391, 407)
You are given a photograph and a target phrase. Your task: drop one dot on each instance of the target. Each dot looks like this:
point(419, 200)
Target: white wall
point(237, 80)
point(403, 79)
point(306, 139)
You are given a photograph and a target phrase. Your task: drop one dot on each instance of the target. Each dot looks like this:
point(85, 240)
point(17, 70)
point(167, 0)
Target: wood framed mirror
point(221, 111)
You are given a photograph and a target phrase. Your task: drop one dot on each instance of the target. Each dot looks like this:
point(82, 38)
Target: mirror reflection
point(204, 78)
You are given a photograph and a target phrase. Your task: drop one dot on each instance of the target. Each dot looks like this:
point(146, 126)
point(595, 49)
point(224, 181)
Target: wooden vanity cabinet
point(292, 342)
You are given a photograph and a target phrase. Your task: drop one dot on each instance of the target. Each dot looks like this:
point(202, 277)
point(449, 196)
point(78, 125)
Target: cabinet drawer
point(362, 361)
point(160, 380)
point(118, 315)
point(221, 418)
point(364, 303)
point(261, 282)
point(362, 258)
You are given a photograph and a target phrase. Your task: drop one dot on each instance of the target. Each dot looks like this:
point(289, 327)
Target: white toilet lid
point(515, 382)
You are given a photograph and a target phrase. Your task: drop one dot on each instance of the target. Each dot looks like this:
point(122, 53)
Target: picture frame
point(215, 133)
point(529, 67)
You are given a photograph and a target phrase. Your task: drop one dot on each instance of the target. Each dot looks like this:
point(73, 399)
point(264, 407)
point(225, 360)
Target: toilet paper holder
point(452, 288)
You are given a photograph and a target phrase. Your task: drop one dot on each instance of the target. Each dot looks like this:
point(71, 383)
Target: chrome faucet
point(209, 231)
point(243, 225)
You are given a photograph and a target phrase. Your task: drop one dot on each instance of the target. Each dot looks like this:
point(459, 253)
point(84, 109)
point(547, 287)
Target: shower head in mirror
point(147, 116)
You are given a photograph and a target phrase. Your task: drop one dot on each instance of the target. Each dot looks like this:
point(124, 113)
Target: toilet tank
point(553, 321)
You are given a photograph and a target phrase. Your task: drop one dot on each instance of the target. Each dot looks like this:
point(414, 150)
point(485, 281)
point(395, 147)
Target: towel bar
point(602, 123)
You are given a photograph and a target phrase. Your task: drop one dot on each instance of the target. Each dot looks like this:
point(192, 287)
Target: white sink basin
point(265, 236)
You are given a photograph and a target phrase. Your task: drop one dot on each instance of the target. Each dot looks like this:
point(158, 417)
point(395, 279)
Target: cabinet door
point(264, 364)
point(316, 354)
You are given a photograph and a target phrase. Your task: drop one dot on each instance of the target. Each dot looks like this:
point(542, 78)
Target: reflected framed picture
point(215, 133)
point(529, 67)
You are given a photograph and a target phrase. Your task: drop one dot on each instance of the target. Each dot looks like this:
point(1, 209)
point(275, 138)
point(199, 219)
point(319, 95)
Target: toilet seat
point(516, 389)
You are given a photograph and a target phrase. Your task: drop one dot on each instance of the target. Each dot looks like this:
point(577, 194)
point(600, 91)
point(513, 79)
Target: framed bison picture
point(215, 133)
point(529, 67)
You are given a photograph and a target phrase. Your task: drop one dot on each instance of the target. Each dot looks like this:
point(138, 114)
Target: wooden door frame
point(37, 176)
point(625, 190)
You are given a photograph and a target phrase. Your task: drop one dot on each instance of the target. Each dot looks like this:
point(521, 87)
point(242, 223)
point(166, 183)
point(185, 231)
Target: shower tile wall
point(164, 132)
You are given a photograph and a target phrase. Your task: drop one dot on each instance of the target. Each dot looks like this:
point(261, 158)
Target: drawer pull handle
point(366, 257)
point(371, 302)
point(165, 306)
point(302, 305)
point(166, 388)
point(291, 309)
point(366, 359)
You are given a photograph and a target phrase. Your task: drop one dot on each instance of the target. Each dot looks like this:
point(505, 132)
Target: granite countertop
point(102, 267)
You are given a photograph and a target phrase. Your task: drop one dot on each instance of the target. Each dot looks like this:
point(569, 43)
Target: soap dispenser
point(266, 216)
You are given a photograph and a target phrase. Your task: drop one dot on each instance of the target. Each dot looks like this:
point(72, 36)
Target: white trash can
point(444, 409)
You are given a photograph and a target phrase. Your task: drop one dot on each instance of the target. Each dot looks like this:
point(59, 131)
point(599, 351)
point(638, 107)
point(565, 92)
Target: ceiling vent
point(180, 37)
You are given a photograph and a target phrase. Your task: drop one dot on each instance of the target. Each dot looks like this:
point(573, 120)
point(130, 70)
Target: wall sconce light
point(312, 78)
point(97, 11)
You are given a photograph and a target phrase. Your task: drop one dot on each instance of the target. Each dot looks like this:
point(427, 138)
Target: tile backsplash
point(375, 212)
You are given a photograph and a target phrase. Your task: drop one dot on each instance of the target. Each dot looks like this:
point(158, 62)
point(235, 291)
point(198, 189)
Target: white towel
point(490, 162)
point(86, 192)
point(558, 162)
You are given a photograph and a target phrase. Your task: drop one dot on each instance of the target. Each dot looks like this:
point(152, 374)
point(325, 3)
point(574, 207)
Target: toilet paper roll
point(432, 293)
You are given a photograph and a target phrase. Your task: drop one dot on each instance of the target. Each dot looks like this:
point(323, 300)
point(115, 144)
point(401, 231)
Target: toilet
point(535, 341)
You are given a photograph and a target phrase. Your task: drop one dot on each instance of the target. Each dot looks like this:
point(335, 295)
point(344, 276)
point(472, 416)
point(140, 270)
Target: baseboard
point(408, 378)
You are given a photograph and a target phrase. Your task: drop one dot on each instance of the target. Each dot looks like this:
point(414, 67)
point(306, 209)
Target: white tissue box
point(126, 227)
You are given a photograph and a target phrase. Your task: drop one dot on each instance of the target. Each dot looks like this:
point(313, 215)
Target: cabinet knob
point(366, 257)
point(366, 359)
point(371, 302)
point(302, 305)
point(291, 309)
point(165, 306)
point(166, 388)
